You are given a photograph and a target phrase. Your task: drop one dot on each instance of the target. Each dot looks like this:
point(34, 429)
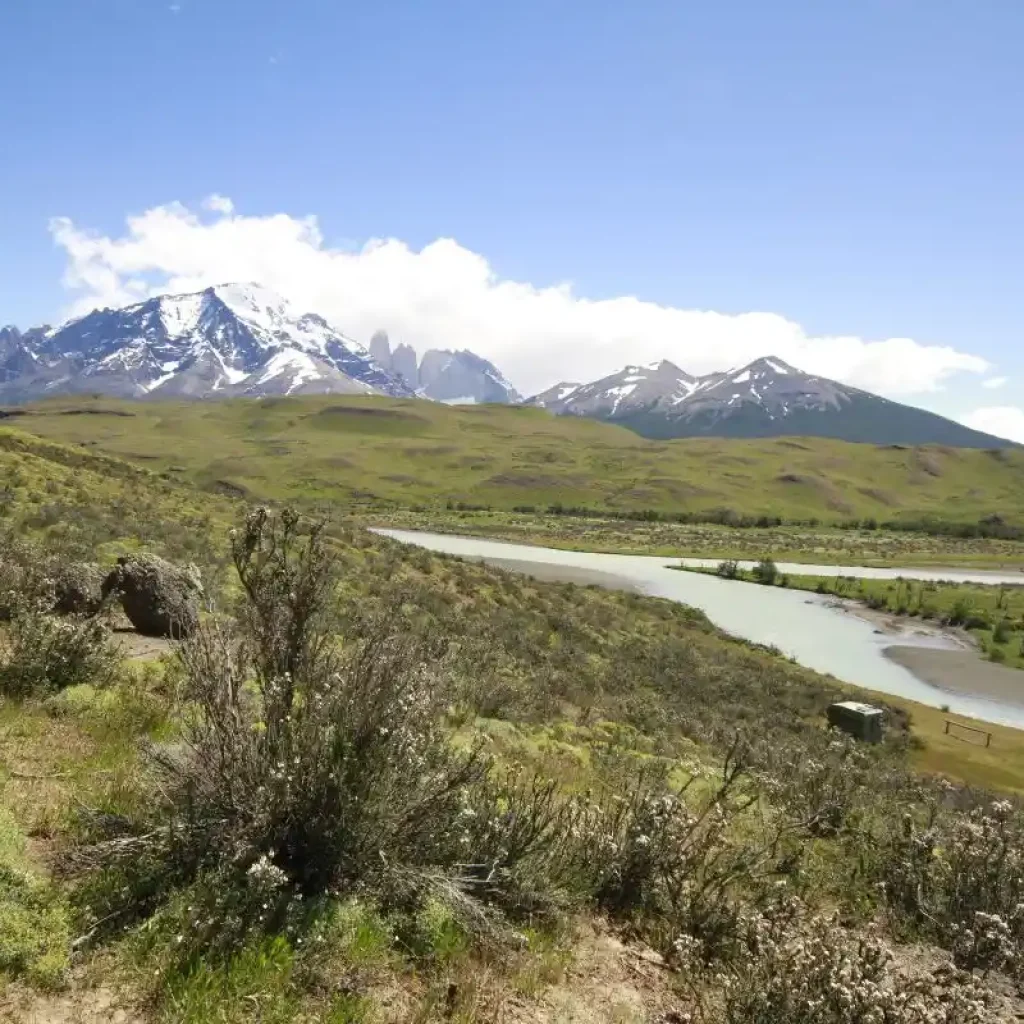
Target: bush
point(795, 969)
point(1001, 632)
point(729, 569)
point(308, 769)
point(42, 654)
point(766, 572)
point(957, 879)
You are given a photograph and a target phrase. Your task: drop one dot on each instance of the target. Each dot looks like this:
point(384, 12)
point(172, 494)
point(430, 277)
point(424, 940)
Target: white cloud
point(219, 204)
point(1001, 420)
point(446, 296)
point(995, 382)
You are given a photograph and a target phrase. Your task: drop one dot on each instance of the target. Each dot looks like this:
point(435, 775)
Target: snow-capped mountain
point(766, 398)
point(224, 341)
point(661, 385)
point(458, 378)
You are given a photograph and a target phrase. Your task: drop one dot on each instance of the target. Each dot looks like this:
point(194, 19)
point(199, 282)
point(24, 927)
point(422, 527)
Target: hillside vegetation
point(378, 453)
point(383, 785)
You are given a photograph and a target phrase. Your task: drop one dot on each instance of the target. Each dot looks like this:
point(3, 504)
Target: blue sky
point(856, 168)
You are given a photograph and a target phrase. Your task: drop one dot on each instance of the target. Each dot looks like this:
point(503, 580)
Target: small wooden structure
point(862, 721)
point(954, 729)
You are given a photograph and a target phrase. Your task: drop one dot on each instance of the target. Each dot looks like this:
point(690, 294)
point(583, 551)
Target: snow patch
point(777, 368)
point(162, 379)
point(742, 378)
point(467, 400)
point(180, 313)
point(299, 364)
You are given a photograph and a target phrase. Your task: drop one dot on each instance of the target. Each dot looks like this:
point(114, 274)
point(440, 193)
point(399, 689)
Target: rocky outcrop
point(401, 363)
point(159, 598)
point(462, 377)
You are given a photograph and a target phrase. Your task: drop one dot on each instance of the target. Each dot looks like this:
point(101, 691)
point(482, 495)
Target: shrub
point(41, 654)
point(795, 969)
point(729, 569)
point(1001, 632)
point(307, 768)
point(766, 572)
point(957, 878)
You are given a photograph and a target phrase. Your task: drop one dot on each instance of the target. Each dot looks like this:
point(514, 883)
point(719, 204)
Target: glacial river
point(805, 626)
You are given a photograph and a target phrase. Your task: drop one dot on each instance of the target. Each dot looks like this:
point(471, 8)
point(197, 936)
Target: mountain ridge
point(244, 340)
point(764, 398)
point(223, 341)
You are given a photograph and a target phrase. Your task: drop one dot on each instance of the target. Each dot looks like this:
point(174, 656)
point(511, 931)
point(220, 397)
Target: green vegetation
point(380, 784)
point(34, 927)
point(994, 615)
point(379, 453)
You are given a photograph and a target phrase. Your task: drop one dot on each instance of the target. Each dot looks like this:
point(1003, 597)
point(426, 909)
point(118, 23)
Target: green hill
point(374, 452)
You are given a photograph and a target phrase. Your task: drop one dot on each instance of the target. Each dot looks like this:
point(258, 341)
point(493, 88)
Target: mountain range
point(765, 398)
point(244, 340)
point(227, 341)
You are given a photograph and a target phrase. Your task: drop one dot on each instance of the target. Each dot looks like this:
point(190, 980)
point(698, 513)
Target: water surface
point(804, 626)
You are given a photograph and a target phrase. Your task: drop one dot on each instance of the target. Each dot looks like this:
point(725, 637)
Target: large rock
point(77, 588)
point(160, 599)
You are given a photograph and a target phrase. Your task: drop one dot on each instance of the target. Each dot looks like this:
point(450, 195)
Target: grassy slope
point(96, 507)
point(379, 452)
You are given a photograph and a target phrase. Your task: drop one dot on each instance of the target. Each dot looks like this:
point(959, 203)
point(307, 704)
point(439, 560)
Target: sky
point(563, 186)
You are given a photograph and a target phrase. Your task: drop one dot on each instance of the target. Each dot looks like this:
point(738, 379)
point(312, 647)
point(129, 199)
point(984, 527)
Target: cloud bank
point(445, 296)
point(1001, 420)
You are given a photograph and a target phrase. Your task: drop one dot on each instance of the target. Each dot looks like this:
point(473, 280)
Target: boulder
point(77, 588)
point(159, 598)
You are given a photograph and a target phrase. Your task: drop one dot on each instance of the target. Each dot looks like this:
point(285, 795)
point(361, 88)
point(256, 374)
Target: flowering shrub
point(959, 879)
point(799, 969)
point(308, 768)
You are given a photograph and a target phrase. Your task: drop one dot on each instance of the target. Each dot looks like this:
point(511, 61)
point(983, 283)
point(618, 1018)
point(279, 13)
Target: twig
point(30, 775)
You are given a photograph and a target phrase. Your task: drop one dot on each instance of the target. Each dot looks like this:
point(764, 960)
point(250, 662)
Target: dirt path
point(141, 648)
point(83, 1006)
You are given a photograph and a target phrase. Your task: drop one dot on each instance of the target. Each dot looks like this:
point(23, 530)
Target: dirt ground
point(608, 982)
point(141, 648)
point(77, 1006)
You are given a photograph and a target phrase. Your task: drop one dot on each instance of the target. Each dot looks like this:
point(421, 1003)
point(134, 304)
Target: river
point(807, 627)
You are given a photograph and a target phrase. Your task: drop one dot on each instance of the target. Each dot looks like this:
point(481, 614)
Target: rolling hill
point(360, 452)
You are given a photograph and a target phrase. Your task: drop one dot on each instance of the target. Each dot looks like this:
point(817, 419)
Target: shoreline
point(960, 672)
point(551, 573)
point(943, 656)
